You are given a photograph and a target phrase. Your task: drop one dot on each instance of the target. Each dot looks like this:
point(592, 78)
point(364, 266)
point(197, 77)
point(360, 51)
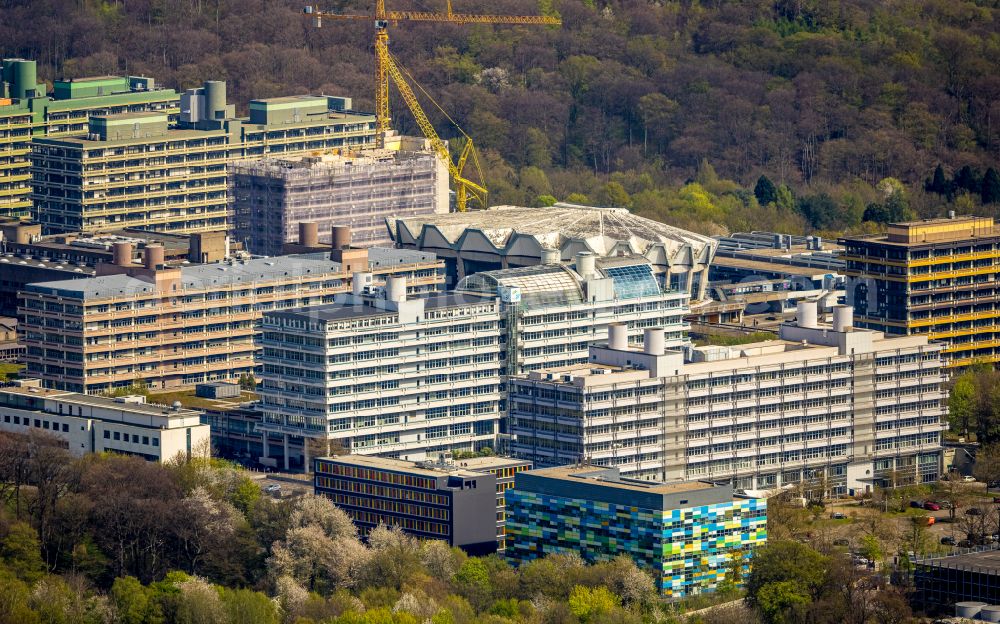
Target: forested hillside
point(623, 104)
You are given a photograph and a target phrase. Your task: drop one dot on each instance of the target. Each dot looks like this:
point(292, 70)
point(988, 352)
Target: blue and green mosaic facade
point(687, 549)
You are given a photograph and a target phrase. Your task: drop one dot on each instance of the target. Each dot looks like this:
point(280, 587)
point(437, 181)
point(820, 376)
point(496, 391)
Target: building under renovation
point(272, 196)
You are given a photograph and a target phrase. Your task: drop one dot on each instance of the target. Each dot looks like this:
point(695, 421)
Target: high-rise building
point(360, 190)
point(176, 326)
point(138, 169)
point(27, 113)
point(686, 534)
point(383, 373)
point(132, 170)
point(444, 500)
point(831, 408)
point(936, 278)
point(88, 424)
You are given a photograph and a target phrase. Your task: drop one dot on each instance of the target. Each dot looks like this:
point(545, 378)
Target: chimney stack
point(154, 256)
point(806, 314)
point(618, 336)
point(653, 341)
point(395, 288)
point(340, 237)
point(586, 264)
point(843, 318)
point(122, 254)
point(309, 234)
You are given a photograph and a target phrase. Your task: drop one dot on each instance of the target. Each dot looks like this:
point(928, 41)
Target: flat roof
point(200, 276)
point(987, 561)
point(134, 115)
point(769, 266)
point(98, 401)
point(285, 99)
point(401, 465)
point(598, 475)
point(492, 461)
point(344, 311)
point(171, 134)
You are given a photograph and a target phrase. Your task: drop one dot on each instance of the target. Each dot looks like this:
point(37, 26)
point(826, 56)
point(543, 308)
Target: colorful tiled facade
point(685, 534)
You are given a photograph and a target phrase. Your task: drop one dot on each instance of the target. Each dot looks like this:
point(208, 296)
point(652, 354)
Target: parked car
point(916, 504)
point(948, 540)
point(932, 506)
point(837, 515)
point(964, 544)
point(273, 488)
point(996, 500)
point(841, 542)
point(969, 479)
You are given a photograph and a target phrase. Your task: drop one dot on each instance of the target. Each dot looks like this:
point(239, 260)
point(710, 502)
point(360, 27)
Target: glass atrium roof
point(633, 280)
point(541, 285)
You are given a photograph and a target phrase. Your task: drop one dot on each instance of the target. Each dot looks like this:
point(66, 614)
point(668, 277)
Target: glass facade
point(633, 281)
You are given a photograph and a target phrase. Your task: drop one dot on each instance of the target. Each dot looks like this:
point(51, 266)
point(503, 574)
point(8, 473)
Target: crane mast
point(387, 69)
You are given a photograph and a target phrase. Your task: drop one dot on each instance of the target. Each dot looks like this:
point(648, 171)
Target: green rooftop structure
point(145, 169)
point(28, 113)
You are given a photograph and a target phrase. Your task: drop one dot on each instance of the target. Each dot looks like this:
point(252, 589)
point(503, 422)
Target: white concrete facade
point(89, 424)
point(408, 379)
point(837, 412)
point(412, 378)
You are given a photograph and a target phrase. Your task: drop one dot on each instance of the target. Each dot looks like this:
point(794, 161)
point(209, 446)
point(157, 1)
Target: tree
point(953, 492)
point(782, 602)
point(784, 577)
point(820, 210)
point(991, 187)
point(132, 602)
point(987, 467)
point(590, 604)
point(968, 179)
point(938, 183)
point(613, 194)
point(243, 606)
point(962, 404)
point(20, 551)
point(765, 192)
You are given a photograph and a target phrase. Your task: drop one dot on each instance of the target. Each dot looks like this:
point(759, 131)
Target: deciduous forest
point(856, 112)
point(108, 539)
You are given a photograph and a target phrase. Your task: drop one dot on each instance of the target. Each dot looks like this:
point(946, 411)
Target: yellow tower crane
point(387, 68)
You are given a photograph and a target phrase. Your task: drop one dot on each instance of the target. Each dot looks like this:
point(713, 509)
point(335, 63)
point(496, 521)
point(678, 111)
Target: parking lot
point(284, 485)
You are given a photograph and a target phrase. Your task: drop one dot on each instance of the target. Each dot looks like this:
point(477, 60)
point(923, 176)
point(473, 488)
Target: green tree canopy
point(765, 191)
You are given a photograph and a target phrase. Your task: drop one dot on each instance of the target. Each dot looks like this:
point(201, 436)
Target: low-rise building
point(685, 534)
point(89, 424)
point(832, 409)
point(428, 500)
point(177, 326)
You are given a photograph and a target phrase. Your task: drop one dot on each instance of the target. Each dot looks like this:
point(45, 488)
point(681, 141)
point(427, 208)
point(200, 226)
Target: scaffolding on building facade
point(272, 196)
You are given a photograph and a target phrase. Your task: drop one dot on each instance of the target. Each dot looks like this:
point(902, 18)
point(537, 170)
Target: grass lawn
point(9, 370)
point(188, 399)
point(723, 340)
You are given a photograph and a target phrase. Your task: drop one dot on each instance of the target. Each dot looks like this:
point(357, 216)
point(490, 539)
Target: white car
point(969, 479)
